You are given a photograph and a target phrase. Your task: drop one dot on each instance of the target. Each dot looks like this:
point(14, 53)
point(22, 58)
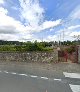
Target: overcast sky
point(48, 20)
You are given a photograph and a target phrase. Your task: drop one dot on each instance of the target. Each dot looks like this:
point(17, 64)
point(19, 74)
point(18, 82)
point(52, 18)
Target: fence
point(64, 56)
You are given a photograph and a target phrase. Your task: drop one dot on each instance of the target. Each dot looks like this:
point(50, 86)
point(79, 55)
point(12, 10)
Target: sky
point(41, 20)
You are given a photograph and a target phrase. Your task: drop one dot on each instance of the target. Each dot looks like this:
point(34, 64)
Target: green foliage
point(36, 46)
point(7, 48)
point(18, 48)
point(45, 44)
point(28, 46)
point(71, 49)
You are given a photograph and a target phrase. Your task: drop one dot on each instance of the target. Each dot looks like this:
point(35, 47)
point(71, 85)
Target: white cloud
point(73, 27)
point(45, 25)
point(70, 25)
point(59, 37)
point(75, 33)
point(67, 33)
point(3, 11)
point(8, 29)
point(31, 11)
point(15, 8)
point(69, 30)
point(9, 37)
point(1, 1)
point(50, 24)
point(9, 22)
point(75, 14)
point(52, 38)
point(26, 37)
point(33, 14)
point(11, 29)
point(51, 29)
point(56, 37)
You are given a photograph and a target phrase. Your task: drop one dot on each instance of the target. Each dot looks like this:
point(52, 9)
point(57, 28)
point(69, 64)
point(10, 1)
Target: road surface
point(17, 79)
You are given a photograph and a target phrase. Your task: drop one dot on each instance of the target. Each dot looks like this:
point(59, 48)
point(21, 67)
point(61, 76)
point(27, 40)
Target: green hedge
point(27, 47)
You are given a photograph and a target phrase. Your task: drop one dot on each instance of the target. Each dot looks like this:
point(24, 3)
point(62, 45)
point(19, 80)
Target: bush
point(29, 46)
point(7, 48)
point(71, 49)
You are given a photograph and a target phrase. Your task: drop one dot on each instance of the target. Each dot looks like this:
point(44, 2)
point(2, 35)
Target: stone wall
point(29, 56)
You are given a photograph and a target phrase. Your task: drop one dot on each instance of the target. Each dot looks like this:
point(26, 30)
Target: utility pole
point(63, 37)
point(60, 39)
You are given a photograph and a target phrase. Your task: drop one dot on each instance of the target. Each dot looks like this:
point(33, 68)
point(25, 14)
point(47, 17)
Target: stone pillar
point(78, 54)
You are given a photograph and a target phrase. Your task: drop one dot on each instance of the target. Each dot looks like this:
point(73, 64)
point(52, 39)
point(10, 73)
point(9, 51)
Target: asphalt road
point(16, 78)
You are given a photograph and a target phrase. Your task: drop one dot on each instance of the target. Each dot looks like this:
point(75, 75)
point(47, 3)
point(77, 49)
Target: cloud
point(66, 33)
point(11, 29)
point(50, 24)
point(9, 22)
point(75, 33)
point(52, 38)
point(31, 12)
point(75, 14)
point(26, 37)
point(59, 37)
point(15, 8)
point(45, 25)
point(8, 29)
point(3, 11)
point(73, 27)
point(1, 1)
point(9, 37)
point(51, 29)
point(55, 37)
point(70, 25)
